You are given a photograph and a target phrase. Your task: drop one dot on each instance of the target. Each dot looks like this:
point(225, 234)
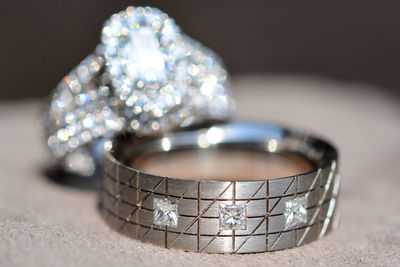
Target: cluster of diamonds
point(231, 217)
point(147, 78)
point(163, 78)
point(81, 111)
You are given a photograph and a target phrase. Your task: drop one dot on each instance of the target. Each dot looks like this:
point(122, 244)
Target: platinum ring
point(145, 77)
point(222, 216)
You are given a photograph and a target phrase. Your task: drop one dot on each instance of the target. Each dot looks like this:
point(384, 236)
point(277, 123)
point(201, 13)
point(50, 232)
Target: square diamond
point(296, 212)
point(232, 217)
point(165, 212)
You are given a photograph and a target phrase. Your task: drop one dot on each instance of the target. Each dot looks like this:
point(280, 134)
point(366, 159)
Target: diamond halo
point(163, 78)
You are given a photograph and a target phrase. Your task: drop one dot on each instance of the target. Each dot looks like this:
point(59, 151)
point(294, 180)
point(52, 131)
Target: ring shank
point(128, 194)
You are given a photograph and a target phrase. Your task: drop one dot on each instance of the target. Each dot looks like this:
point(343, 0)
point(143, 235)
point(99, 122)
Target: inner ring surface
point(222, 164)
point(230, 152)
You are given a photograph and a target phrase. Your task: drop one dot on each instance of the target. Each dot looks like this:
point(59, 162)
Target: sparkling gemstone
point(232, 217)
point(162, 77)
point(78, 113)
point(146, 59)
point(296, 212)
point(165, 212)
point(145, 77)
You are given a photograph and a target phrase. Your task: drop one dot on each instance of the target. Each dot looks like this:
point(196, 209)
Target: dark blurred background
point(345, 39)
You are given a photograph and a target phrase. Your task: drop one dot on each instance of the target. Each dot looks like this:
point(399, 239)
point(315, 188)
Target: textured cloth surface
point(47, 223)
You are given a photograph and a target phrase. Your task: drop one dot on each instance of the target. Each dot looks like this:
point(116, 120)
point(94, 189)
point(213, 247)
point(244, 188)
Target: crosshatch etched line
point(327, 220)
point(126, 185)
point(307, 230)
point(166, 195)
point(332, 202)
point(279, 236)
point(267, 215)
point(116, 187)
point(198, 214)
point(255, 193)
point(315, 180)
point(258, 226)
point(166, 187)
point(321, 200)
point(298, 242)
point(336, 185)
point(212, 239)
point(251, 234)
point(142, 200)
point(137, 197)
point(204, 211)
point(312, 184)
point(280, 198)
point(186, 191)
point(166, 227)
point(205, 235)
point(331, 208)
point(233, 231)
point(309, 190)
point(329, 182)
point(210, 199)
point(205, 217)
point(297, 189)
point(147, 232)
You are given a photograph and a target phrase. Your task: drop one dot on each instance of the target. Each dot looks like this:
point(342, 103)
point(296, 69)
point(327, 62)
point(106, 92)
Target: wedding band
point(222, 216)
point(145, 77)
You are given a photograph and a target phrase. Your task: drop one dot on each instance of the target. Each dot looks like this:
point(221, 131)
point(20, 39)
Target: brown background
point(346, 39)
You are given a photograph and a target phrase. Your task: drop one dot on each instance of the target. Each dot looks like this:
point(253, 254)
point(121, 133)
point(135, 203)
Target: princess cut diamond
point(165, 212)
point(232, 217)
point(296, 212)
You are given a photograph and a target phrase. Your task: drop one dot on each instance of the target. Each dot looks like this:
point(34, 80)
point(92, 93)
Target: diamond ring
point(220, 214)
point(145, 77)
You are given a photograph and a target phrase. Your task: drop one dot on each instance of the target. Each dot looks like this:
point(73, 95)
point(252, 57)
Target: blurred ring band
point(218, 216)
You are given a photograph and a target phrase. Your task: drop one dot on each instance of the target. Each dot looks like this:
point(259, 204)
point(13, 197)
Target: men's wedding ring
point(230, 215)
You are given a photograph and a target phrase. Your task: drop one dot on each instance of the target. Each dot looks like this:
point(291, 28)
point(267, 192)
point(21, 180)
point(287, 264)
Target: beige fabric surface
point(44, 223)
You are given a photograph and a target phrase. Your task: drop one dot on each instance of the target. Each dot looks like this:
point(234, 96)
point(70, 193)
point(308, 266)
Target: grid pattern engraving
point(128, 194)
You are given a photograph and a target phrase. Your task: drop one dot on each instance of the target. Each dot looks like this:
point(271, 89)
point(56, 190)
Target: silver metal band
point(222, 216)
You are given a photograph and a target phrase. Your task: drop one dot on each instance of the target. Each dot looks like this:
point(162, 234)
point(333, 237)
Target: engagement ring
point(145, 77)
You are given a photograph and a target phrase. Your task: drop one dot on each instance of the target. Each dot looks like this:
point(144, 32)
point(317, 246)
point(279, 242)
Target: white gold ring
point(145, 77)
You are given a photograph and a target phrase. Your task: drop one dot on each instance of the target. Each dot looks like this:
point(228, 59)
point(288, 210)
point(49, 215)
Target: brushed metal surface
point(128, 196)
